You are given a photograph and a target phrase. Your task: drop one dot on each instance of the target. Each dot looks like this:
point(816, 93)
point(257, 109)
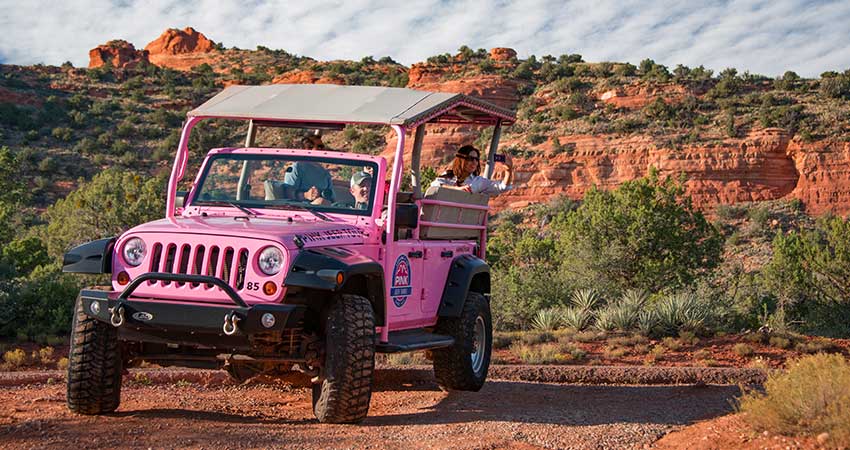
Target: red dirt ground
point(505, 414)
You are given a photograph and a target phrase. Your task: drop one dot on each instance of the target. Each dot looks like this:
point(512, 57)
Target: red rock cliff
point(118, 53)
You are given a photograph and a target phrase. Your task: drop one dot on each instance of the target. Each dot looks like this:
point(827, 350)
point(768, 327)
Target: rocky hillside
point(735, 137)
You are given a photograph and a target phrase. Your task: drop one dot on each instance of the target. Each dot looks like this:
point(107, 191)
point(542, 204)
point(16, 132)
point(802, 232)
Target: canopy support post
point(494, 146)
point(416, 179)
point(179, 169)
point(251, 137)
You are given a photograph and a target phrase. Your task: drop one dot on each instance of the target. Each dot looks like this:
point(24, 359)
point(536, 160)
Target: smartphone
point(499, 157)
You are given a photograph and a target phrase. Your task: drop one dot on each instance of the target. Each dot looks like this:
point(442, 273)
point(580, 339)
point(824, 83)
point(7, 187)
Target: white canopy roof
point(350, 104)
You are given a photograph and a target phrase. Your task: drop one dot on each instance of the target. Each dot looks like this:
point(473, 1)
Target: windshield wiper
point(295, 207)
point(232, 204)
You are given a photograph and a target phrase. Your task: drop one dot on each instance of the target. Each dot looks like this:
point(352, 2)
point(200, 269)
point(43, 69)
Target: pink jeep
point(279, 260)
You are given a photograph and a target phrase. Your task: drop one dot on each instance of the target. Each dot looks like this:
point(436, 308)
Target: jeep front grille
point(225, 263)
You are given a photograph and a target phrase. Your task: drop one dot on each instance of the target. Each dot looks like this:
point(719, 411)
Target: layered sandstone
point(118, 53)
point(754, 168)
point(181, 49)
point(638, 95)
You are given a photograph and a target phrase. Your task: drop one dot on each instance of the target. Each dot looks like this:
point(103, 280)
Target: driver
point(361, 188)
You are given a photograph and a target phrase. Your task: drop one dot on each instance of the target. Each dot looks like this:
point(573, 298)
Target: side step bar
point(413, 340)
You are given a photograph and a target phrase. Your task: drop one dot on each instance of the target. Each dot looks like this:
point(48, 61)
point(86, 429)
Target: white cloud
point(767, 37)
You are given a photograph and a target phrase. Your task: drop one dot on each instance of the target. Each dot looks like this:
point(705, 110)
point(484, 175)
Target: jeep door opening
point(278, 260)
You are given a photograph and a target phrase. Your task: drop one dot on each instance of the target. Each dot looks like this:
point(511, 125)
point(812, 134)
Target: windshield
point(284, 182)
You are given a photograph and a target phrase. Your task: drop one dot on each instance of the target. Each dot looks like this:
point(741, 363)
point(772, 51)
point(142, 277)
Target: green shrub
point(646, 234)
point(64, 134)
point(810, 398)
point(112, 202)
point(809, 274)
point(42, 303)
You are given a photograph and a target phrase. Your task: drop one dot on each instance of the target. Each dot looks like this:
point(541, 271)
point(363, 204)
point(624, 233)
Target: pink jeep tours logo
point(402, 286)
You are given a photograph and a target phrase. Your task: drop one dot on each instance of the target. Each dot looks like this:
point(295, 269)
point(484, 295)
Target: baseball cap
point(360, 177)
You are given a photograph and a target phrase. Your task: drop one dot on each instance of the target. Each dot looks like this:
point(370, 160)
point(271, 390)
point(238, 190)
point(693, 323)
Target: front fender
point(91, 257)
point(317, 269)
point(467, 273)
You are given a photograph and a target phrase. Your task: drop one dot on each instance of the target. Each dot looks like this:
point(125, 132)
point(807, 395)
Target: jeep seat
point(452, 214)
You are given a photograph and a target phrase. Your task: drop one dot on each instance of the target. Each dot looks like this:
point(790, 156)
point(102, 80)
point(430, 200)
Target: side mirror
point(407, 215)
point(180, 200)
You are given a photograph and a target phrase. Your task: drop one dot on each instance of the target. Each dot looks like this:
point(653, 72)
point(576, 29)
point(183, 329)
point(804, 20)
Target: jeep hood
point(312, 234)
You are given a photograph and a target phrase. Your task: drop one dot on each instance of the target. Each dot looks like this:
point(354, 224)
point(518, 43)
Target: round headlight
point(271, 260)
point(134, 251)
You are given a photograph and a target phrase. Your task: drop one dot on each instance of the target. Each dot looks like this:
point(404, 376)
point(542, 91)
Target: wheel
point(94, 365)
point(464, 365)
point(345, 387)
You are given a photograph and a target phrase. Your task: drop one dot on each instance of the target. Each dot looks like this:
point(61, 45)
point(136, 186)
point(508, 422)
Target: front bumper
point(161, 321)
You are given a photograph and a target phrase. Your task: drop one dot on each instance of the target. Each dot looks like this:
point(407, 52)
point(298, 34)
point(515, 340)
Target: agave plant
point(624, 317)
point(633, 298)
point(605, 320)
point(647, 321)
point(585, 299)
point(546, 320)
point(679, 311)
point(577, 318)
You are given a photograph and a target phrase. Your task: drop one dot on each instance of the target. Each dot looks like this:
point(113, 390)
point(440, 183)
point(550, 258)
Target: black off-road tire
point(345, 389)
point(94, 366)
point(453, 366)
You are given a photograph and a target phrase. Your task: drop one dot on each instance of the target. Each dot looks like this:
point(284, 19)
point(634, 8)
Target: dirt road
point(505, 414)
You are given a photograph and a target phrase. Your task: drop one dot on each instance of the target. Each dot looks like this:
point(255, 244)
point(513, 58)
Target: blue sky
point(766, 37)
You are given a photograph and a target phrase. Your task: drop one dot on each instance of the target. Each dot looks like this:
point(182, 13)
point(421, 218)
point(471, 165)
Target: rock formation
point(119, 53)
point(502, 54)
point(180, 49)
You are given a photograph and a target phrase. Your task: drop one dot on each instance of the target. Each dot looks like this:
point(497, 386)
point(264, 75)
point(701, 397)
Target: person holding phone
point(465, 170)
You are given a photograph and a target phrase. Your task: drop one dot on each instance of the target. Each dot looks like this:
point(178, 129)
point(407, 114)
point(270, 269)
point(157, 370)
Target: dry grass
point(505, 339)
point(672, 343)
point(406, 359)
point(588, 336)
point(537, 337)
point(818, 345)
point(549, 353)
point(62, 364)
point(44, 355)
point(14, 359)
point(629, 341)
point(742, 349)
point(810, 398)
point(615, 351)
point(688, 338)
point(780, 342)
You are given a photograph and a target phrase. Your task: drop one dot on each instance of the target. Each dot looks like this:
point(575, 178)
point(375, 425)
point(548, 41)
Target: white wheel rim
point(479, 344)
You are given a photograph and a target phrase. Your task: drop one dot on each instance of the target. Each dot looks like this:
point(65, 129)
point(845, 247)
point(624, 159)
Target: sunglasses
point(468, 157)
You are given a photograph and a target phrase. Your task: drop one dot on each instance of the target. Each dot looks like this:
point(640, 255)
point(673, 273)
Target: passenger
point(310, 181)
point(464, 174)
point(361, 188)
